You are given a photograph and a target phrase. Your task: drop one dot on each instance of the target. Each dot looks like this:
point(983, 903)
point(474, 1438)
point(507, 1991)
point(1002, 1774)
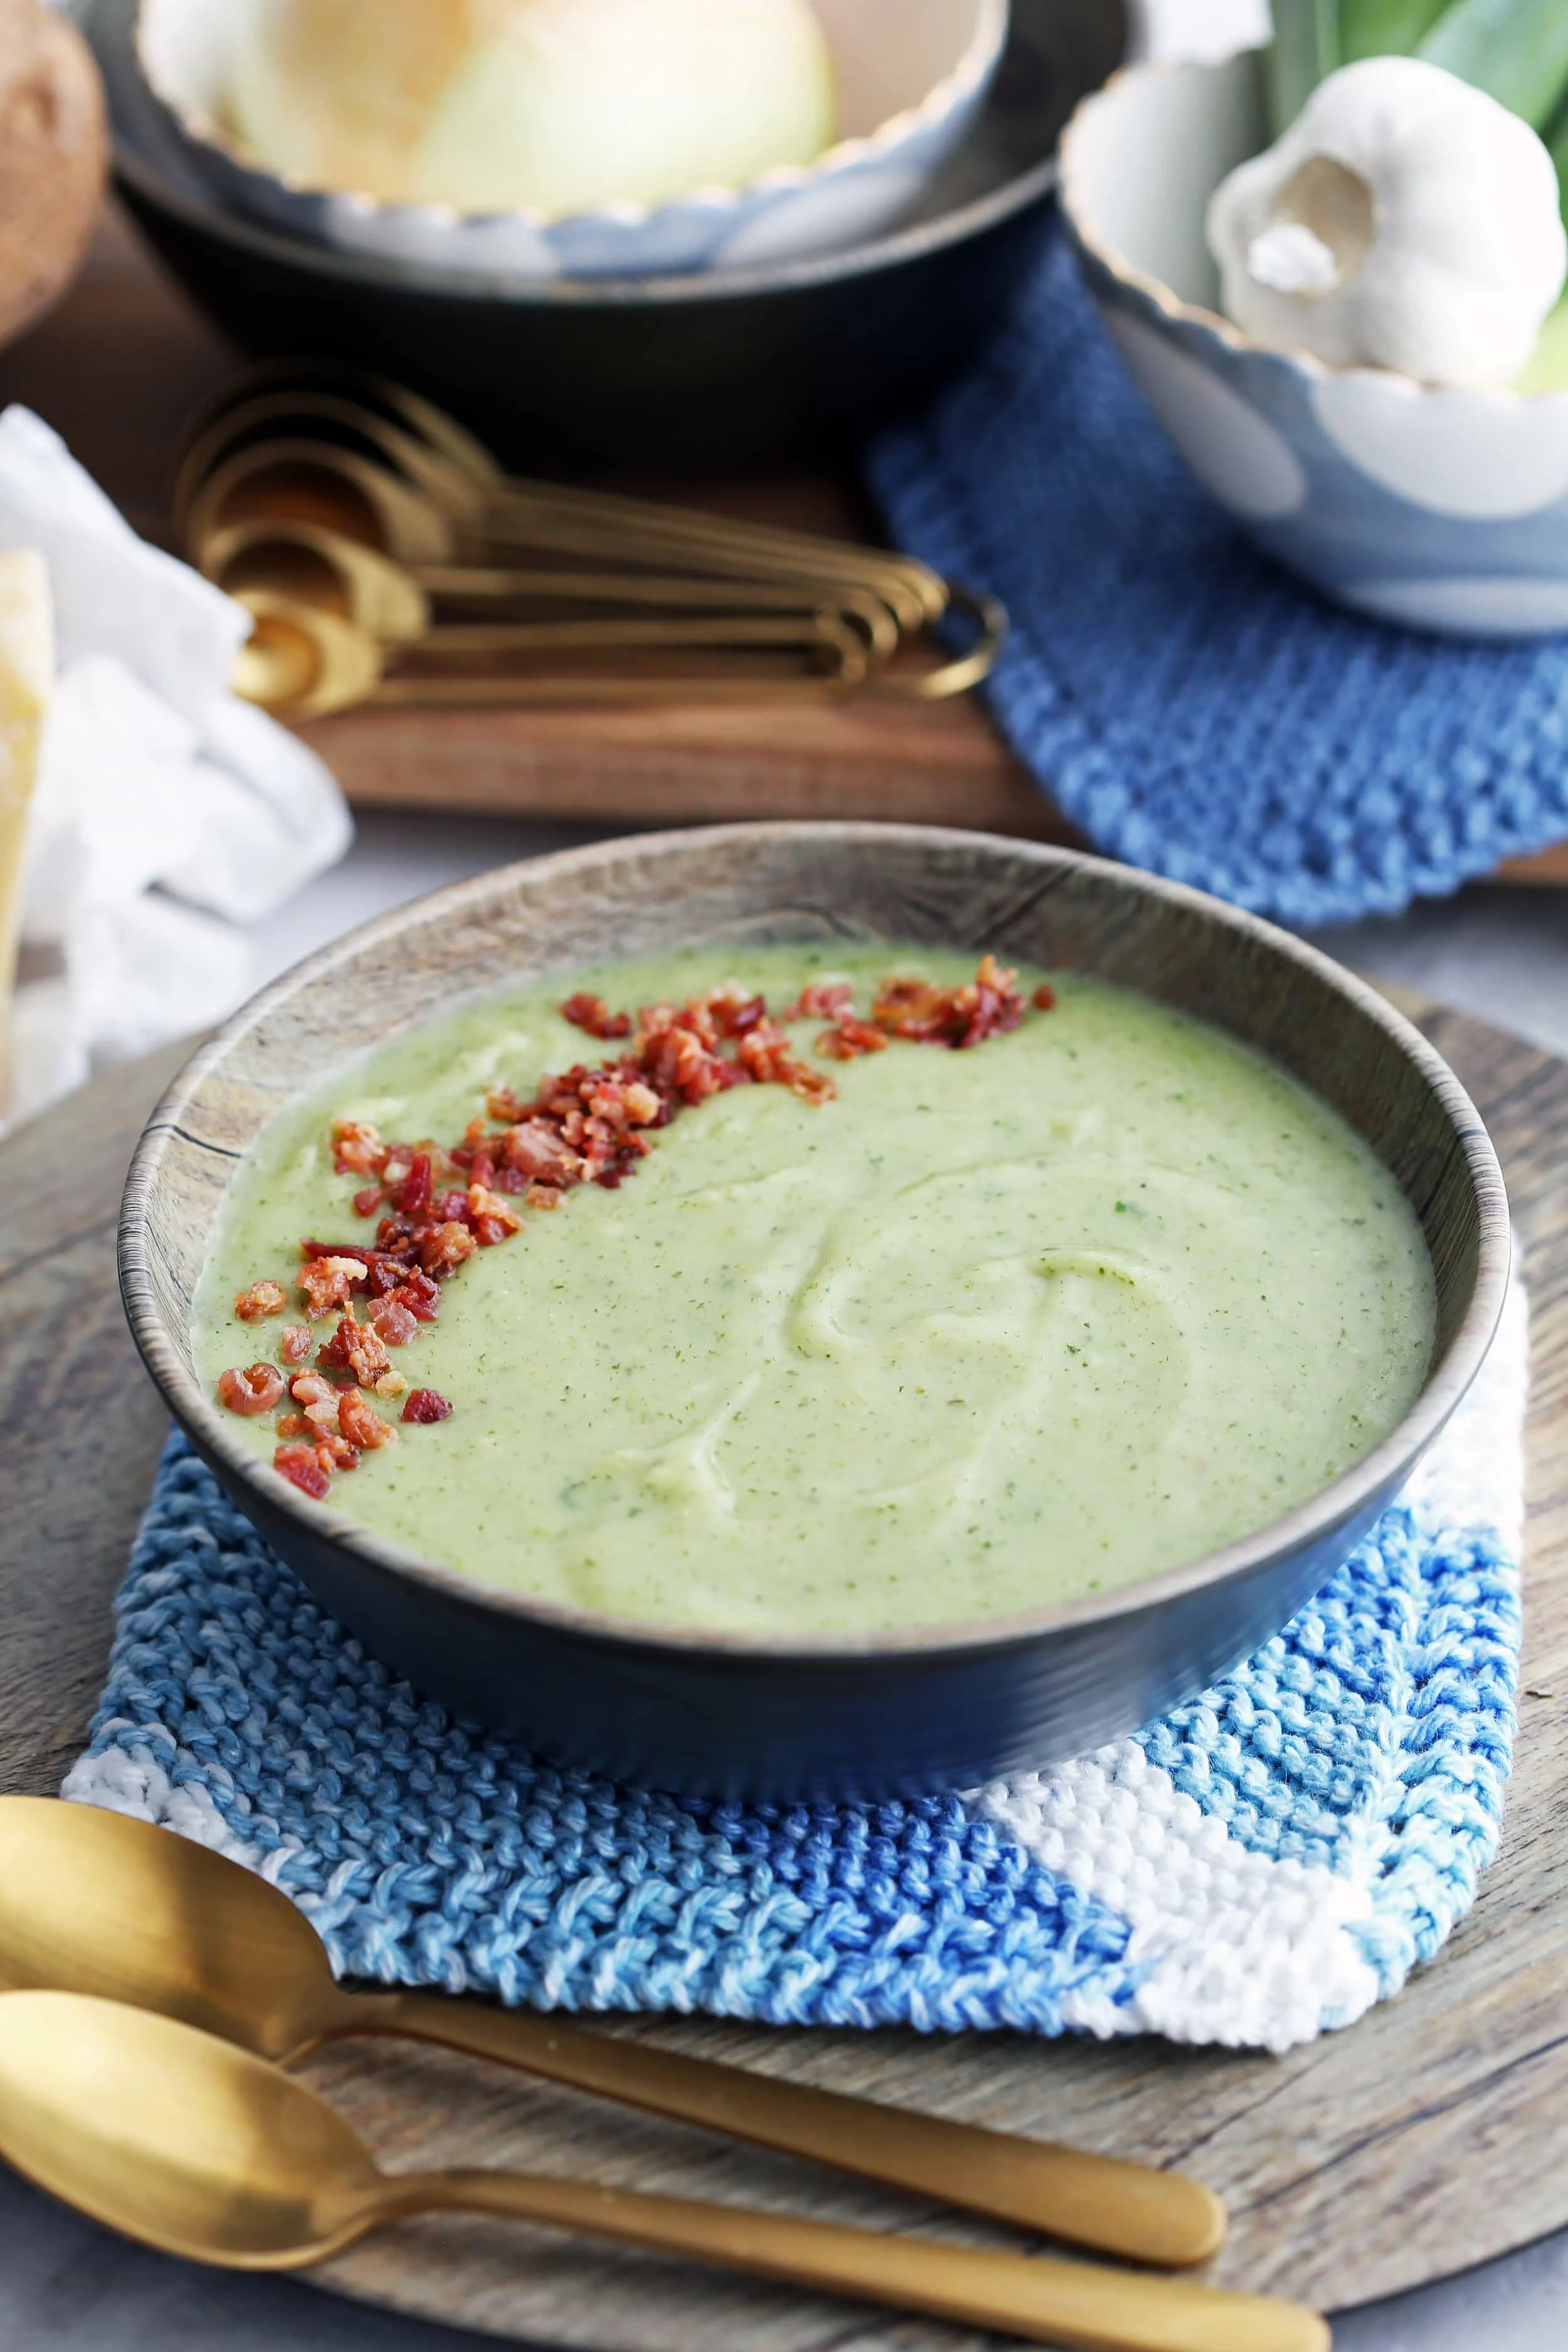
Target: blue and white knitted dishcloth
point(1188, 705)
point(1256, 1867)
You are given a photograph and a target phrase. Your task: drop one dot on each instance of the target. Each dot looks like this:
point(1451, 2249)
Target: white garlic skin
point(1467, 254)
point(549, 106)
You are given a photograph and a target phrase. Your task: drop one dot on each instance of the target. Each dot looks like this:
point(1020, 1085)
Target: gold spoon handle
point(1046, 2301)
point(1118, 2208)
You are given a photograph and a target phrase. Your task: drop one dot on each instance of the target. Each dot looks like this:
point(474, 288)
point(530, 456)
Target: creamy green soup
point(993, 1330)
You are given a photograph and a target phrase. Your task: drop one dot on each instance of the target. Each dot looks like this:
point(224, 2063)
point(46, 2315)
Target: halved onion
point(553, 106)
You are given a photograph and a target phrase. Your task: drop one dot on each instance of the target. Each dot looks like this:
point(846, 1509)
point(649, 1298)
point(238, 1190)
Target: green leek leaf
point(1517, 50)
point(1557, 147)
point(1305, 50)
point(1385, 28)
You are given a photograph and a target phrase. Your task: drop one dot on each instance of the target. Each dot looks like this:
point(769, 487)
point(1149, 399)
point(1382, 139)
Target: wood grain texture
point(126, 361)
point(1428, 2137)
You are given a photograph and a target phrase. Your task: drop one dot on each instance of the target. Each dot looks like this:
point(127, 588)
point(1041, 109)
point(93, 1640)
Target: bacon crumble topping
point(436, 1206)
point(256, 1390)
point(261, 1299)
point(427, 1405)
point(592, 1014)
point(986, 1006)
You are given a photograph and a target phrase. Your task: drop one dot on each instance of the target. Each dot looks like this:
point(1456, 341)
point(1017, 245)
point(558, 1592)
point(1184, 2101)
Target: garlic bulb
point(1406, 220)
point(550, 106)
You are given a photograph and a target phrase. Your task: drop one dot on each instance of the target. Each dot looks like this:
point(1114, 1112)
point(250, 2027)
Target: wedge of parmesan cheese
point(26, 673)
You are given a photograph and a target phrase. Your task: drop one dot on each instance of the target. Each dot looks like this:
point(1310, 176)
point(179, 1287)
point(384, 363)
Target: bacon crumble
point(849, 1039)
point(299, 1465)
point(255, 1390)
point(436, 1206)
point(261, 1299)
point(362, 1425)
point(427, 1405)
point(329, 1282)
point(592, 1014)
point(987, 1006)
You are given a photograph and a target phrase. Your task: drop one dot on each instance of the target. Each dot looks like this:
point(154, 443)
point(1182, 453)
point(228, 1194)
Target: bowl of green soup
point(795, 1310)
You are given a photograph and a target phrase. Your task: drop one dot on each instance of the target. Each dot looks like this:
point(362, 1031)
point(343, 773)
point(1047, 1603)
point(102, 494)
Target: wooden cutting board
point(127, 361)
point(1428, 2137)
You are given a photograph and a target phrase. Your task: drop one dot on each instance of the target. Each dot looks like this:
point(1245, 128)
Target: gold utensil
point(93, 1903)
point(305, 662)
point(467, 486)
point(396, 602)
point(312, 487)
point(373, 463)
point(203, 2150)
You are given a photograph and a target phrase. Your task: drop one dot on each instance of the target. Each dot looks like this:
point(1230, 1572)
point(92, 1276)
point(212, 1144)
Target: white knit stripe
point(133, 1782)
point(1234, 1947)
point(1240, 1948)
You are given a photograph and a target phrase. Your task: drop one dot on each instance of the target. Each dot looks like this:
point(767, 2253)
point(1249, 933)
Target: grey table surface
point(67, 2286)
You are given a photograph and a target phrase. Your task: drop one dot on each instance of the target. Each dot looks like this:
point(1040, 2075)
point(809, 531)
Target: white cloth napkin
point(168, 816)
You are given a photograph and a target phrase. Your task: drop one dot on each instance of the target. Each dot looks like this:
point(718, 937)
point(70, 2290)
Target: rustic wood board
point(1428, 2137)
point(122, 366)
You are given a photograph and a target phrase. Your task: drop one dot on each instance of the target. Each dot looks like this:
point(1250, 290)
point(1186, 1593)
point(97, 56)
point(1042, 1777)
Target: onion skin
point(547, 106)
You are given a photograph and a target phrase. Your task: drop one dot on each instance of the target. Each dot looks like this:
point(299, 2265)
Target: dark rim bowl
point(872, 1715)
point(697, 371)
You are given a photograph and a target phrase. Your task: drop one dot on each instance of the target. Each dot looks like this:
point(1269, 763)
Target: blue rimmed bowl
point(1442, 510)
point(911, 76)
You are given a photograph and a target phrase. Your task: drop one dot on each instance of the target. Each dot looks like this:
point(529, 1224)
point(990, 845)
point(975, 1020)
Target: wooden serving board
point(126, 362)
point(1428, 2137)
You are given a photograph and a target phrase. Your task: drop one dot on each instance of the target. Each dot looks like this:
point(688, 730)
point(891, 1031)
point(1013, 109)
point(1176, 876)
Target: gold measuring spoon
point(308, 562)
point(202, 2150)
point(316, 483)
point(304, 480)
point(440, 460)
point(93, 1903)
point(394, 601)
point(304, 661)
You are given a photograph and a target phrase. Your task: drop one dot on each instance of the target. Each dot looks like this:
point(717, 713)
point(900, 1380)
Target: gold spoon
point(305, 561)
point(424, 514)
point(93, 1903)
point(318, 566)
point(306, 661)
point(203, 2151)
point(475, 496)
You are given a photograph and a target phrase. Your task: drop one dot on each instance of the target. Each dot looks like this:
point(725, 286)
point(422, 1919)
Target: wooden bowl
point(693, 370)
point(868, 1715)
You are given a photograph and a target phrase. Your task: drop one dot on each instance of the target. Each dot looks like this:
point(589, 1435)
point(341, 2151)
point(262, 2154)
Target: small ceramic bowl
point(911, 75)
point(1443, 511)
point(878, 1714)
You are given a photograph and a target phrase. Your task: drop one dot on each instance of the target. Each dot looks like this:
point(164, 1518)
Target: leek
point(1384, 28)
point(1304, 51)
point(1516, 50)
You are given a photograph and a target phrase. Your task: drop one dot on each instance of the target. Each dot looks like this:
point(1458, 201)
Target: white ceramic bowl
point(1441, 511)
point(911, 75)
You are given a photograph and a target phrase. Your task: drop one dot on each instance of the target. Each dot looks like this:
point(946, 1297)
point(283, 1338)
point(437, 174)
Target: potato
point(54, 157)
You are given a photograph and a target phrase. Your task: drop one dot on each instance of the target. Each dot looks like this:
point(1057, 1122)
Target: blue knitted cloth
point(1261, 1864)
point(1190, 707)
